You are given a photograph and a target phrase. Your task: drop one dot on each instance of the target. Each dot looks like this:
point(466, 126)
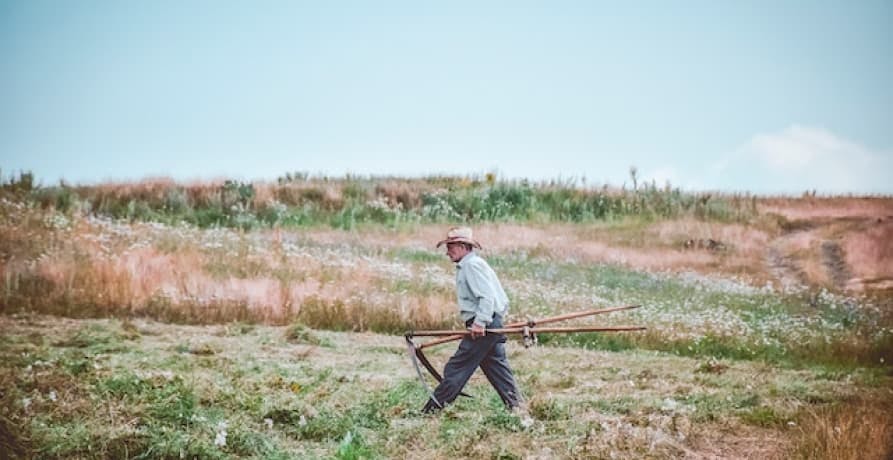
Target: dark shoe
point(431, 407)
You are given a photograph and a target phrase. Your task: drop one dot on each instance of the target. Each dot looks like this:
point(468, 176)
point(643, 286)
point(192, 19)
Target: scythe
point(528, 329)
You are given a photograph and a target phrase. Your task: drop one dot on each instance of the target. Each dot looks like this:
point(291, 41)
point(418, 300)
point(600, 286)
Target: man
point(482, 305)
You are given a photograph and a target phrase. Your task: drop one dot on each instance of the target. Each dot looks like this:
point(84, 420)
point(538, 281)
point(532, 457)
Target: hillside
point(770, 321)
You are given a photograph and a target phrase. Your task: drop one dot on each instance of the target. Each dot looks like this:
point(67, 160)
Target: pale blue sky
point(758, 95)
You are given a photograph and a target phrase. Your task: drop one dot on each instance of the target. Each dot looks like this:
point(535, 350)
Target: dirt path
point(813, 254)
point(835, 264)
point(781, 263)
point(784, 269)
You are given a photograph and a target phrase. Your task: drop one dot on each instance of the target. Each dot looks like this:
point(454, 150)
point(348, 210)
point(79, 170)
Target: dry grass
point(853, 430)
point(635, 243)
point(85, 267)
point(809, 208)
point(328, 193)
point(651, 246)
point(658, 248)
point(392, 279)
point(870, 254)
point(98, 267)
point(737, 237)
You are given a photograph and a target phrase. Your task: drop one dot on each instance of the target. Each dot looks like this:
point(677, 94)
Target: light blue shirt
point(479, 291)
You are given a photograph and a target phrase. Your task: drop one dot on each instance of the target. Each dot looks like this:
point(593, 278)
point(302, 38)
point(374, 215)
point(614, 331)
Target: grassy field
point(118, 389)
point(770, 324)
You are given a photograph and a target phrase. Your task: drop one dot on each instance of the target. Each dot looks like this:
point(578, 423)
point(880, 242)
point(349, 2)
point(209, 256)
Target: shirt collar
point(466, 258)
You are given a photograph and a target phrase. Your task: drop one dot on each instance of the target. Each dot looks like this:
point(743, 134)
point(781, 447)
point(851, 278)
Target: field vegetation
point(211, 320)
point(302, 200)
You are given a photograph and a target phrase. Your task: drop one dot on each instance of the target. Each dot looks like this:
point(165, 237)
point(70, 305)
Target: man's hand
point(477, 331)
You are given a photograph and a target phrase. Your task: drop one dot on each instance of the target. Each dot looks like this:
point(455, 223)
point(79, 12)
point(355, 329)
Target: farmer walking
point(483, 305)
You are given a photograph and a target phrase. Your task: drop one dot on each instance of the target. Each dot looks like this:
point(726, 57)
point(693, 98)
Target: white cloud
point(804, 158)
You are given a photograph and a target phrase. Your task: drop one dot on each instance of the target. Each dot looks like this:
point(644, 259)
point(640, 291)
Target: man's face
point(456, 251)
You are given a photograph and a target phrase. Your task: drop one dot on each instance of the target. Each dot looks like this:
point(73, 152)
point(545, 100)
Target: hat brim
point(459, 240)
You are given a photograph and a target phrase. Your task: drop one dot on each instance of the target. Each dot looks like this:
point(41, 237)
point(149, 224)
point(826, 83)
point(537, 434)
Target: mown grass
point(262, 394)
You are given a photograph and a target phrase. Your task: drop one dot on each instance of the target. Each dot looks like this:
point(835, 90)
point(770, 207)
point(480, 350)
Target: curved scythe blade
point(411, 350)
point(424, 360)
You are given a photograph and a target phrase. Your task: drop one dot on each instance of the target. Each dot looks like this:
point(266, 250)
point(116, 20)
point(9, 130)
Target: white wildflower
point(669, 405)
point(220, 438)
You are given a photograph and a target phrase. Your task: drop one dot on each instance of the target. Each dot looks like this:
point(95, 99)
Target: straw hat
point(459, 235)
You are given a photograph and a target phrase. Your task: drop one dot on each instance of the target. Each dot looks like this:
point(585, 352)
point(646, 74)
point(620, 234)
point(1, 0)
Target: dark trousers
point(488, 352)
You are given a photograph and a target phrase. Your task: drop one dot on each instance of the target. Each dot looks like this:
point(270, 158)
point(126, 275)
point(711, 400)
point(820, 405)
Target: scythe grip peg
point(529, 337)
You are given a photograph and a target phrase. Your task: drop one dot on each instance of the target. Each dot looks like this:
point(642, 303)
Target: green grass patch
point(353, 447)
point(763, 416)
point(623, 405)
point(301, 334)
point(165, 399)
point(98, 338)
point(416, 256)
point(548, 409)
